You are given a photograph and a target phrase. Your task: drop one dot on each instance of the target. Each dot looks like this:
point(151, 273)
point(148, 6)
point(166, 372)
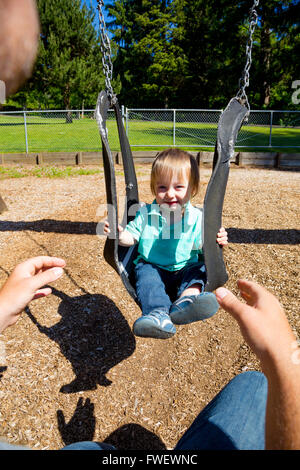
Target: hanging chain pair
point(106, 53)
point(244, 80)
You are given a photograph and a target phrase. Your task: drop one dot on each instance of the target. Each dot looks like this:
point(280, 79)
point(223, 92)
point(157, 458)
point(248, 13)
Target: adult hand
point(267, 331)
point(25, 284)
point(262, 320)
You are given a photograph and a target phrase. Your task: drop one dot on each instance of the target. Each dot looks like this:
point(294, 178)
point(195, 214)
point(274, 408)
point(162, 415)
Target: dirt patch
point(73, 369)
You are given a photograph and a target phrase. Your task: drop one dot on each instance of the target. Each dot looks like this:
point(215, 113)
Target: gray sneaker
point(191, 308)
point(156, 324)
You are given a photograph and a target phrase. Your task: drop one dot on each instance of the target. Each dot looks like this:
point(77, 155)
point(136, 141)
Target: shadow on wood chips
point(93, 336)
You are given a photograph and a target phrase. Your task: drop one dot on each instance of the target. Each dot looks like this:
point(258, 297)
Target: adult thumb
point(46, 277)
point(229, 302)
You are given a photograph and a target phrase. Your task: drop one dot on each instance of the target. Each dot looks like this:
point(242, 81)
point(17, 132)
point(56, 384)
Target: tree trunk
point(69, 119)
point(265, 63)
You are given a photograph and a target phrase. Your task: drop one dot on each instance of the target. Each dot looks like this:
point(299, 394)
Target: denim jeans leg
point(190, 275)
point(88, 445)
point(234, 419)
point(150, 289)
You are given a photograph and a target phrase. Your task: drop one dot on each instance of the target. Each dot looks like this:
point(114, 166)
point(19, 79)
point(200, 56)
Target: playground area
point(71, 368)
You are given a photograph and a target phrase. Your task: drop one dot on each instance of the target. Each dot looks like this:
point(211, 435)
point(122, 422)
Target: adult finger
point(46, 277)
point(255, 294)
point(42, 293)
point(38, 263)
point(229, 302)
point(259, 297)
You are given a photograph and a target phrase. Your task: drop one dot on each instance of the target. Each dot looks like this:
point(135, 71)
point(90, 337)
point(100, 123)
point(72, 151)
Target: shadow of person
point(81, 426)
point(92, 334)
point(134, 437)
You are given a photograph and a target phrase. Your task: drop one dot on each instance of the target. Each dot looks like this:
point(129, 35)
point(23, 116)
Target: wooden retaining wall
point(288, 161)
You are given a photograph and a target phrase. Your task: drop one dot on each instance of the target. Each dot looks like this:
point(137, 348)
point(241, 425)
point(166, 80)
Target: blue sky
point(93, 3)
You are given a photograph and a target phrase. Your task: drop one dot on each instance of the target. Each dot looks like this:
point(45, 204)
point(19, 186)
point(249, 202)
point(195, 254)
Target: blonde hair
point(175, 161)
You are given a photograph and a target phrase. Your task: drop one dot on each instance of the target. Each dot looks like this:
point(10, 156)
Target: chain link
point(106, 53)
point(244, 80)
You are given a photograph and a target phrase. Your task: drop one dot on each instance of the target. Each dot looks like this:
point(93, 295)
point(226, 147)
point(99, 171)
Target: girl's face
point(174, 192)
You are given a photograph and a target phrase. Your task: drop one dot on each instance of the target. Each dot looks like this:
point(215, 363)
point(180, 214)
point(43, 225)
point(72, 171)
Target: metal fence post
point(25, 128)
point(127, 124)
point(174, 127)
point(271, 123)
point(123, 114)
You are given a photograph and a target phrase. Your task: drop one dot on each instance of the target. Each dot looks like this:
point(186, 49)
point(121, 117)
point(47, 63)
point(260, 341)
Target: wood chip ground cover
point(71, 368)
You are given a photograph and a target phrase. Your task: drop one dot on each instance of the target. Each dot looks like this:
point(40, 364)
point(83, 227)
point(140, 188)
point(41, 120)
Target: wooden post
point(78, 158)
point(239, 159)
point(39, 159)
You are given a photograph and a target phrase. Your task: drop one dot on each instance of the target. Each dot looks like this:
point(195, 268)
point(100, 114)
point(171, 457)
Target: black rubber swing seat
point(121, 258)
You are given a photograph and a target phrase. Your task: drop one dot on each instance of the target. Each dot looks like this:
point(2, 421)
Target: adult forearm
point(265, 328)
point(283, 404)
point(3, 321)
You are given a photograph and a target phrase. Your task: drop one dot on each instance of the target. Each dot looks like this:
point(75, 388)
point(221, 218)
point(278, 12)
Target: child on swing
point(170, 278)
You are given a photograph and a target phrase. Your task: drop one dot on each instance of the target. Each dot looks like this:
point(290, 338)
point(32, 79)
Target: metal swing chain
point(106, 53)
point(244, 80)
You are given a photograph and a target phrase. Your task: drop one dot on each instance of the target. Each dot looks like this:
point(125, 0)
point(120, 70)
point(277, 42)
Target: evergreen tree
point(191, 53)
point(213, 38)
point(149, 62)
point(214, 43)
point(277, 62)
point(166, 53)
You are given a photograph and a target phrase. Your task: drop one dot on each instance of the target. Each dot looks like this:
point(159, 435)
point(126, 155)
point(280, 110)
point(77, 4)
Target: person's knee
point(251, 377)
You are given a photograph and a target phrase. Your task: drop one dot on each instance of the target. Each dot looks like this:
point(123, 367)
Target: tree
point(213, 38)
point(166, 53)
point(148, 60)
point(191, 53)
point(278, 59)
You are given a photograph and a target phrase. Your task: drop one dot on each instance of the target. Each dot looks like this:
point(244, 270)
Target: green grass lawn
point(45, 172)
point(55, 135)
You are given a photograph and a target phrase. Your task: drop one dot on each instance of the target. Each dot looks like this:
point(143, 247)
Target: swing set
point(232, 118)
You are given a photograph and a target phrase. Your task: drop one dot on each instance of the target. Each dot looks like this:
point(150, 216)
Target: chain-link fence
point(198, 128)
point(51, 131)
point(76, 130)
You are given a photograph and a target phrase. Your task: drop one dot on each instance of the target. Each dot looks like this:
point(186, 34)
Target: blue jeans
point(233, 420)
point(158, 288)
point(89, 445)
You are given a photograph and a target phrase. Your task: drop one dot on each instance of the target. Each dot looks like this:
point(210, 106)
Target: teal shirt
point(170, 246)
